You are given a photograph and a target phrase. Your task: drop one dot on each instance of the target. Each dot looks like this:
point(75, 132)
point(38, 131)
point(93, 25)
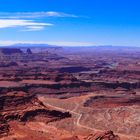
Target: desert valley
point(64, 93)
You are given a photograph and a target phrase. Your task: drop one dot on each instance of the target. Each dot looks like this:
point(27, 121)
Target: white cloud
point(29, 15)
point(23, 19)
point(34, 28)
point(27, 24)
point(28, 20)
point(60, 14)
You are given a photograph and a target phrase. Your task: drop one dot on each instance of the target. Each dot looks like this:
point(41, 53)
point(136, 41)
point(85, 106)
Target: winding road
point(79, 116)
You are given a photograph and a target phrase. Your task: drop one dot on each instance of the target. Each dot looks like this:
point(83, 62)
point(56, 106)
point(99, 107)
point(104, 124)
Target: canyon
point(65, 93)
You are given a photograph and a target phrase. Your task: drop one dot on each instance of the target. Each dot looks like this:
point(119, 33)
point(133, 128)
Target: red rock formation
point(72, 138)
point(4, 127)
point(24, 107)
point(108, 135)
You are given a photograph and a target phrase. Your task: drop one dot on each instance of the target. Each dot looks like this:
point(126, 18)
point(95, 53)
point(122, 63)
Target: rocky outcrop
point(111, 101)
point(72, 138)
point(29, 51)
point(73, 69)
point(4, 127)
point(109, 135)
point(9, 51)
point(126, 85)
point(18, 100)
point(8, 64)
point(24, 107)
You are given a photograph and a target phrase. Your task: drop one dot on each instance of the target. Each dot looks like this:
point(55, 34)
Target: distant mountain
point(20, 45)
point(29, 45)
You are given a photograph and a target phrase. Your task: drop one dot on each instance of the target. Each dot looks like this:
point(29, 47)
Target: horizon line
point(9, 43)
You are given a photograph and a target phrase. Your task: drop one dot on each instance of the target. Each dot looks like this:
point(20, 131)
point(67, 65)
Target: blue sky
point(70, 22)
